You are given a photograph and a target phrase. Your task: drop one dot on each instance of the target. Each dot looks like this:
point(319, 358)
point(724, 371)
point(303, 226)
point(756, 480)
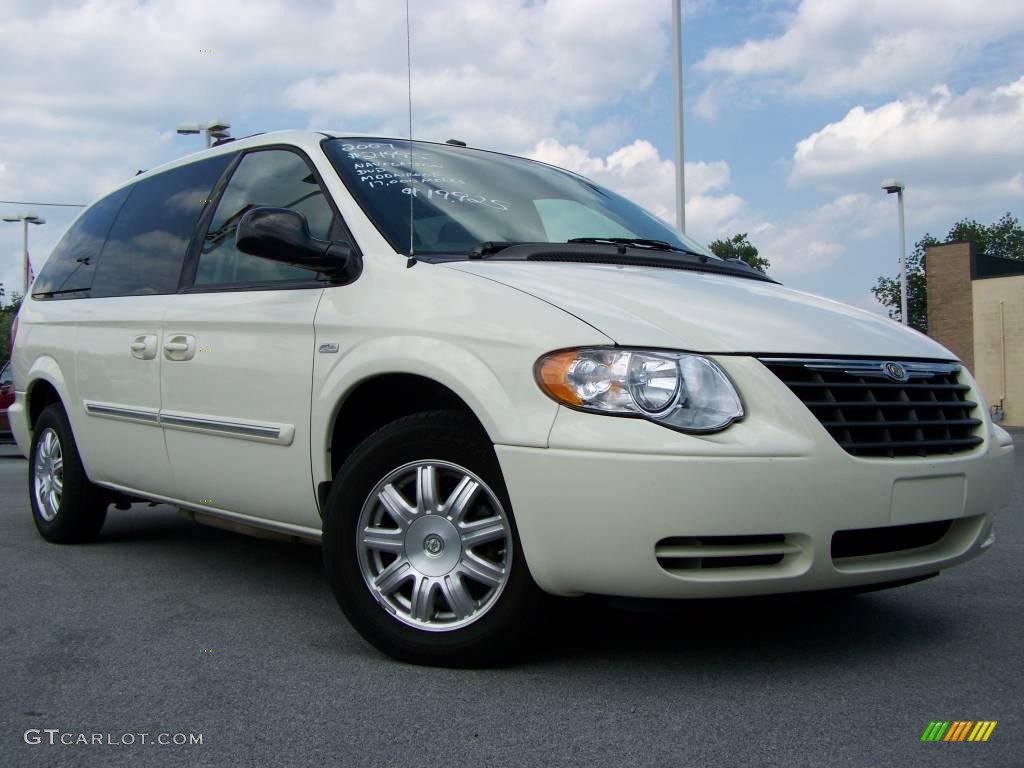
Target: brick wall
point(950, 299)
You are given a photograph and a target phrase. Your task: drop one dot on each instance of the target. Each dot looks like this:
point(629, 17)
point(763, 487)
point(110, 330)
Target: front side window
point(274, 178)
point(147, 245)
point(460, 198)
point(69, 271)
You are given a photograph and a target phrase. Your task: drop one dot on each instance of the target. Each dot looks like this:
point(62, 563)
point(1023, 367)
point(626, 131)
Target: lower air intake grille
point(688, 553)
point(884, 408)
point(879, 541)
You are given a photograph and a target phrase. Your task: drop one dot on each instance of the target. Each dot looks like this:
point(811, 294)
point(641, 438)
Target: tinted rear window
point(148, 242)
point(68, 273)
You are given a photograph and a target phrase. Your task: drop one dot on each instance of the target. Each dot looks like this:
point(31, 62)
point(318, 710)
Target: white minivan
point(477, 379)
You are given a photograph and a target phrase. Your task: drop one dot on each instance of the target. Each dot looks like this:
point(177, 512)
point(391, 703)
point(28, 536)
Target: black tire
point(447, 436)
point(82, 507)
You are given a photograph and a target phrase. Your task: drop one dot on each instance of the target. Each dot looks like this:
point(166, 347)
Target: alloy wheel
point(49, 474)
point(434, 545)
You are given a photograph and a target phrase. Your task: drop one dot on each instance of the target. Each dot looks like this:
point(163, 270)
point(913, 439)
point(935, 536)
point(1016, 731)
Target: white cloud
point(93, 88)
point(803, 243)
point(834, 47)
point(608, 133)
point(953, 138)
point(959, 154)
point(638, 172)
point(518, 68)
point(707, 105)
point(818, 239)
point(500, 74)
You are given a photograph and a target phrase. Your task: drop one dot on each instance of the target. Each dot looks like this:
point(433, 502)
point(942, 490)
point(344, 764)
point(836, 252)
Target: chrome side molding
point(144, 415)
point(280, 434)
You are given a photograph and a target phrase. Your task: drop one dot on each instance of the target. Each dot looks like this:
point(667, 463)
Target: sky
point(795, 110)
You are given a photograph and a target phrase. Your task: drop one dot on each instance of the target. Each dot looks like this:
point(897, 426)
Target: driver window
point(269, 178)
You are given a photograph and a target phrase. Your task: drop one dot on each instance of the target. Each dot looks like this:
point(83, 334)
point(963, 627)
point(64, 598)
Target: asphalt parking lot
point(166, 627)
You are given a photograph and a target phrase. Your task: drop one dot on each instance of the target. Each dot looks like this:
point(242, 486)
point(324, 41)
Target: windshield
point(461, 198)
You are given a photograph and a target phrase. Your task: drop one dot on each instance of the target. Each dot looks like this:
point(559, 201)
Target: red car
point(6, 398)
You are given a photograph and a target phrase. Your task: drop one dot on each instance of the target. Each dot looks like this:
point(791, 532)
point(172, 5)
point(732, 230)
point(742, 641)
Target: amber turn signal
point(553, 376)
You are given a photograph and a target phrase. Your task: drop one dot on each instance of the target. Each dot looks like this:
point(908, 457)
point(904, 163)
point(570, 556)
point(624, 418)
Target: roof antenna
point(412, 178)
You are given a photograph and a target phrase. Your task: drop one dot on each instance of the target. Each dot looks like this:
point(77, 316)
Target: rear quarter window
point(68, 273)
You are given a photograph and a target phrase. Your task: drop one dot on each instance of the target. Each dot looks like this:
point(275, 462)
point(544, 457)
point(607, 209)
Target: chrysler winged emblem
point(894, 371)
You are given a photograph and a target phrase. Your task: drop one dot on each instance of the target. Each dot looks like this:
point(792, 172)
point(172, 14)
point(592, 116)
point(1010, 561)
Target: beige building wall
point(998, 343)
point(949, 299)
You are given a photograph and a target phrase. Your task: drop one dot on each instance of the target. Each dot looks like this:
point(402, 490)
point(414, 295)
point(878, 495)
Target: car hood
point(701, 312)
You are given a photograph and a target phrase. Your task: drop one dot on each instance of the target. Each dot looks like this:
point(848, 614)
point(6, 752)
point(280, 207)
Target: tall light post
point(25, 219)
point(213, 130)
point(890, 186)
point(677, 46)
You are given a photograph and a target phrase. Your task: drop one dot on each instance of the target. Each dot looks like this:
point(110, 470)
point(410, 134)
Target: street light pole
point(890, 186)
point(25, 219)
point(677, 45)
point(24, 249)
point(903, 261)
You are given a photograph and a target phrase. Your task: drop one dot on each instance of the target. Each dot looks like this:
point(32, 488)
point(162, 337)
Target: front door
point(237, 385)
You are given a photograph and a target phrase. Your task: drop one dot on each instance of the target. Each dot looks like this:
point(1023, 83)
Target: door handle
point(143, 346)
point(180, 346)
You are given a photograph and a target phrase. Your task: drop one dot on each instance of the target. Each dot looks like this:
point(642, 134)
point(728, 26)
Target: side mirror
point(280, 234)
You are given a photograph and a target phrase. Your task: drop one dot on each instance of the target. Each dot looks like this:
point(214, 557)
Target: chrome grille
point(871, 411)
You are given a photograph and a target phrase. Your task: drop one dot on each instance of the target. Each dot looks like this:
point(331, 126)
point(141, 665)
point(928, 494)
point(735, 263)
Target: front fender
point(510, 407)
point(478, 338)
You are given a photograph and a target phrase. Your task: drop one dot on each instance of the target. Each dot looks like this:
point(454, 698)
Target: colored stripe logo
point(958, 730)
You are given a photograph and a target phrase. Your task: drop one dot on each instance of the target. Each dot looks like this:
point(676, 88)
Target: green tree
point(1004, 238)
point(887, 289)
point(7, 314)
point(739, 247)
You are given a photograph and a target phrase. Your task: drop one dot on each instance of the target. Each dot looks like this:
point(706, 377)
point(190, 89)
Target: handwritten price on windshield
point(459, 197)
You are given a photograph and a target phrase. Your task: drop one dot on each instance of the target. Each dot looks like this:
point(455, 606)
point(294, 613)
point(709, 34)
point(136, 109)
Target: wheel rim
point(434, 545)
point(48, 475)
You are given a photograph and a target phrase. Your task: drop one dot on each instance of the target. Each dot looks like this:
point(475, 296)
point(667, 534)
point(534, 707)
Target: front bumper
point(590, 521)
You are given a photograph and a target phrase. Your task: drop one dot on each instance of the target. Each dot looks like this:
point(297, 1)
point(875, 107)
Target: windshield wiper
point(638, 242)
point(491, 247)
point(670, 257)
point(48, 294)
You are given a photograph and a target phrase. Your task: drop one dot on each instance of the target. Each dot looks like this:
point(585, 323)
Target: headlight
point(686, 392)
